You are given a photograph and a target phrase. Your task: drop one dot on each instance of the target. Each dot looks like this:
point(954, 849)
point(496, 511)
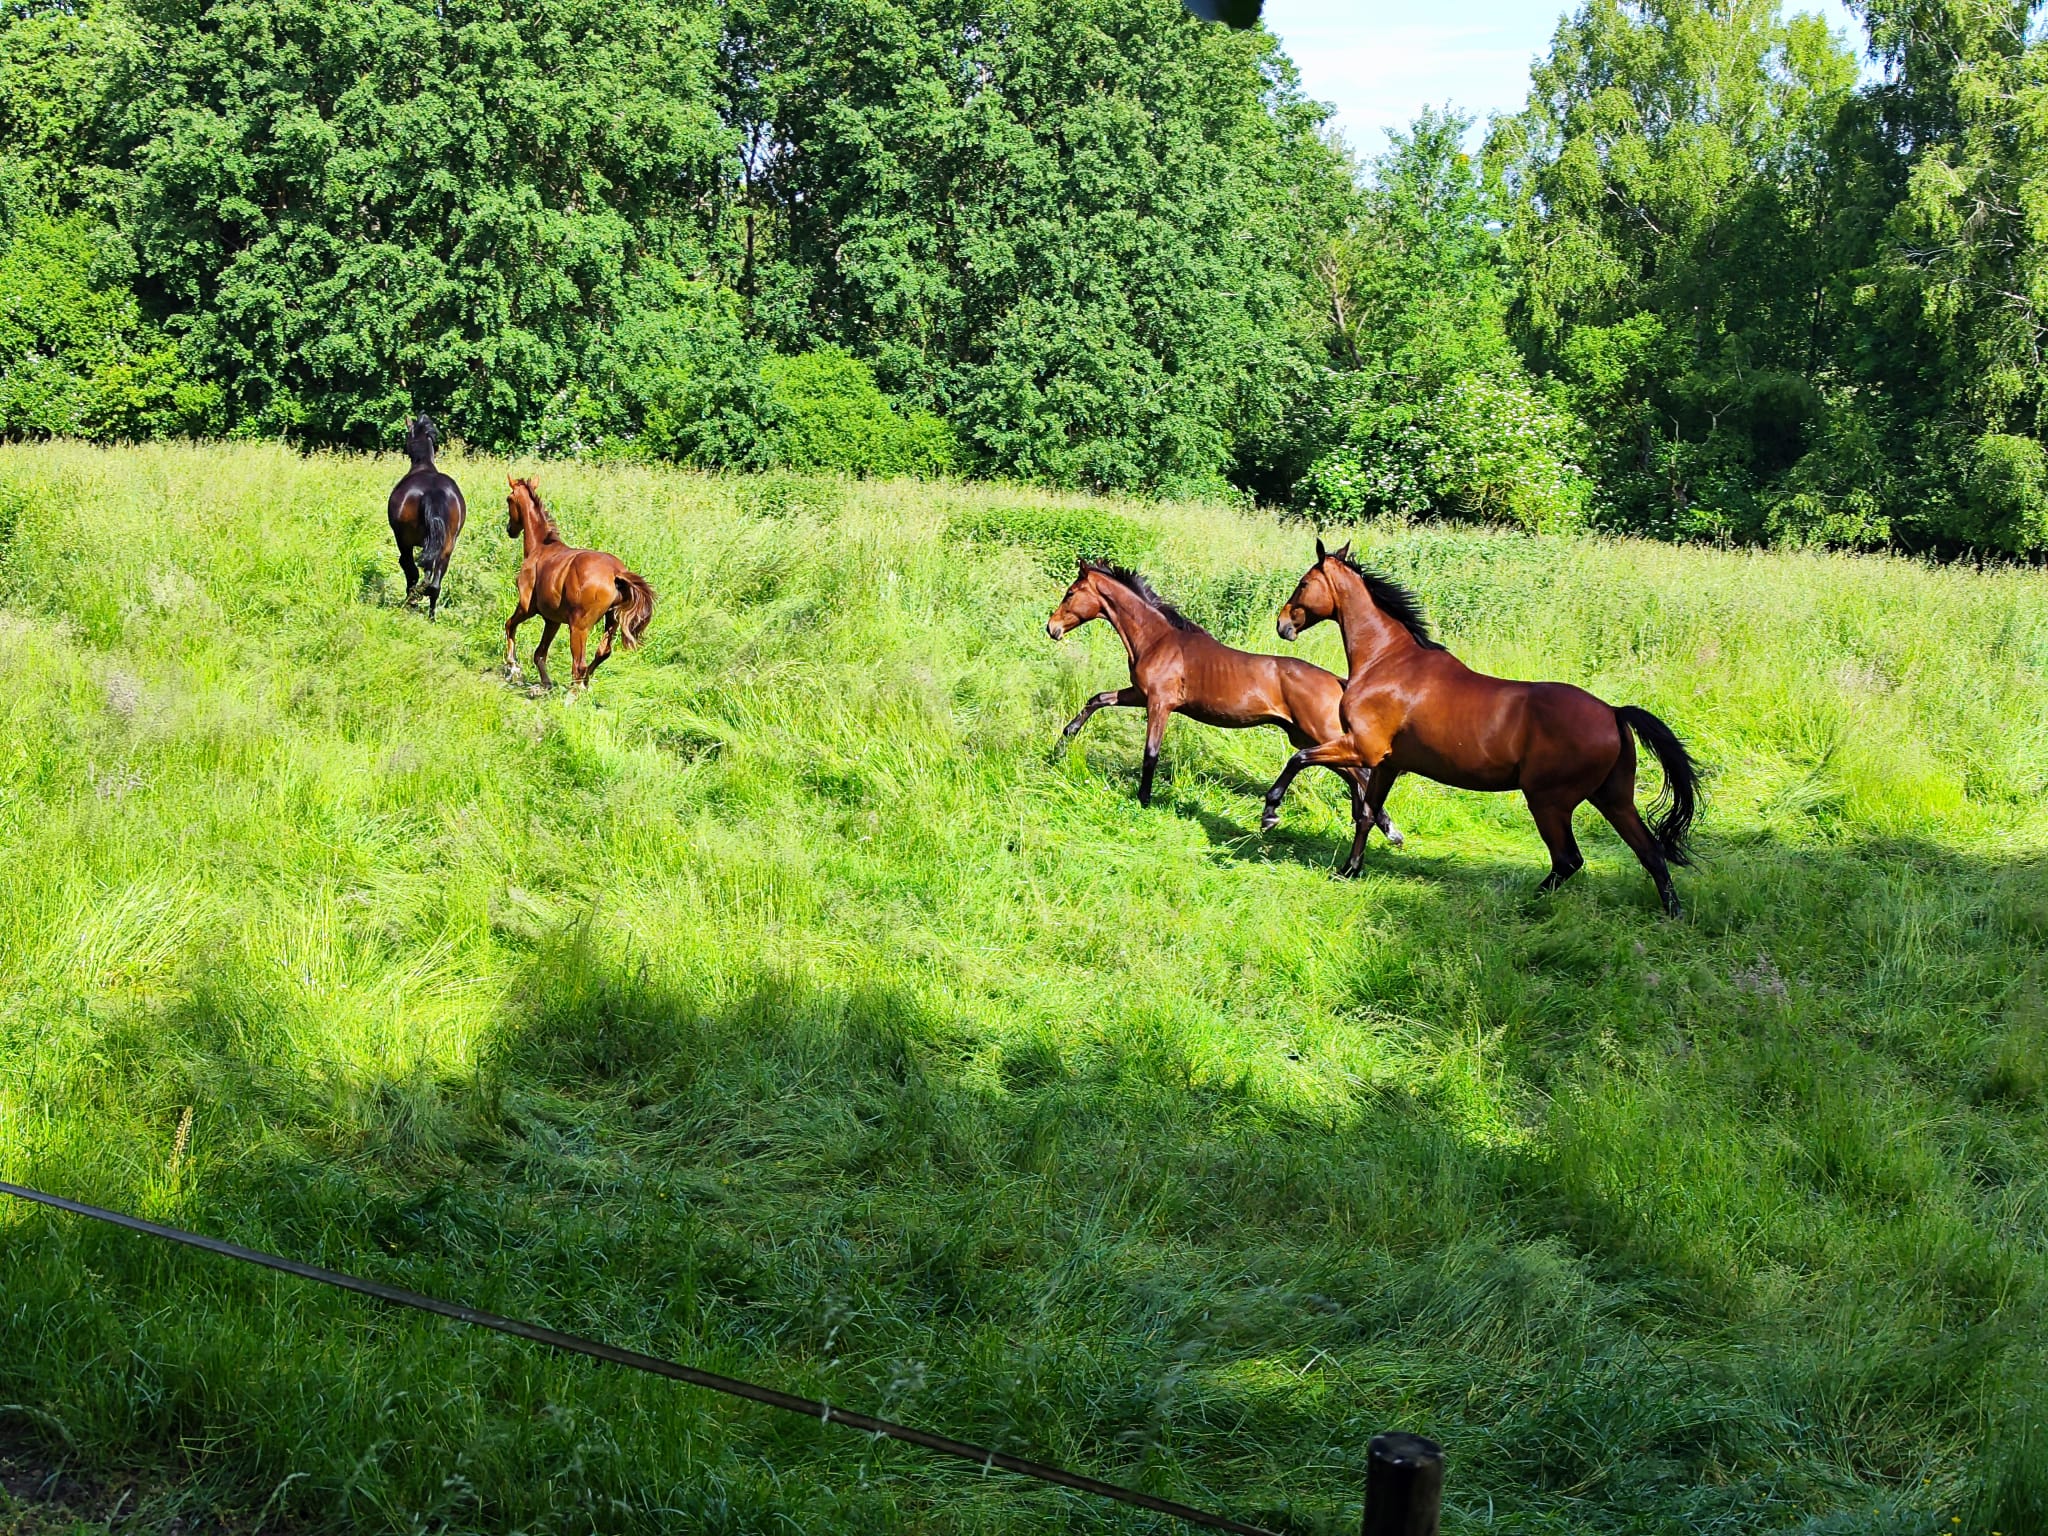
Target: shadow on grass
point(1093, 1248)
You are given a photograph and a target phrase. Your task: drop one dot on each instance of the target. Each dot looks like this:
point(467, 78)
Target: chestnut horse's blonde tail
point(635, 608)
point(1671, 822)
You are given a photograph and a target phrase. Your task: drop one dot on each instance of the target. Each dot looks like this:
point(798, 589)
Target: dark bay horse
point(426, 513)
point(1410, 706)
point(1176, 665)
point(576, 587)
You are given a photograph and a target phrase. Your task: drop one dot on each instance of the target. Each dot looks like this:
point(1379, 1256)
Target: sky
point(1381, 62)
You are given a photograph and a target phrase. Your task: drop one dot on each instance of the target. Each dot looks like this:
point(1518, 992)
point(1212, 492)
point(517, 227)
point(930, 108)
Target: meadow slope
point(781, 1007)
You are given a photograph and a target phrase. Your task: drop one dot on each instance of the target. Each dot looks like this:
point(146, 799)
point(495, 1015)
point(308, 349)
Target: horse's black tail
point(1671, 817)
point(437, 506)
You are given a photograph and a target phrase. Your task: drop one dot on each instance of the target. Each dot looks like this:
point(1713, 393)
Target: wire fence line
point(811, 1408)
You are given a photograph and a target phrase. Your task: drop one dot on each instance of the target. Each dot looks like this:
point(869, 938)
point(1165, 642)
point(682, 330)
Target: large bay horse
point(576, 587)
point(1176, 665)
point(426, 513)
point(1410, 706)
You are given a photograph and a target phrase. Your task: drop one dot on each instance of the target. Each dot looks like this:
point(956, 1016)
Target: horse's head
point(1315, 595)
point(420, 434)
point(519, 505)
point(1081, 604)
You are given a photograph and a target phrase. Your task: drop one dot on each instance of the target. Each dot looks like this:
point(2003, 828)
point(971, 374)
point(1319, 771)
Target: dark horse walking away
point(426, 514)
point(1412, 707)
point(1178, 665)
point(576, 587)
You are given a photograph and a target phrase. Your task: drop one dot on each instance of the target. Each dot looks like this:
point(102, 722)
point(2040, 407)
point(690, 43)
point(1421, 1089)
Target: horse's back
point(1222, 685)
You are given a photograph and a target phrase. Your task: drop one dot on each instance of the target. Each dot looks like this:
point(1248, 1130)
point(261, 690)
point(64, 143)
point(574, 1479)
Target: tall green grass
point(780, 1007)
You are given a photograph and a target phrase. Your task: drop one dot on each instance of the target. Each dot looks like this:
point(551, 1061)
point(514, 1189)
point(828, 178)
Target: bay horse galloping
point(426, 514)
point(1410, 706)
point(1176, 665)
point(576, 587)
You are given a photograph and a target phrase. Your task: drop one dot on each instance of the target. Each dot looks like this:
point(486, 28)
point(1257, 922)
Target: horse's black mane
point(1396, 602)
point(1143, 588)
point(553, 535)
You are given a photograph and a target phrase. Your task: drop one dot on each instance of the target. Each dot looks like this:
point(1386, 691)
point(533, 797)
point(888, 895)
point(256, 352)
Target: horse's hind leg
point(604, 644)
point(579, 636)
point(1554, 823)
point(540, 652)
point(407, 564)
point(1616, 800)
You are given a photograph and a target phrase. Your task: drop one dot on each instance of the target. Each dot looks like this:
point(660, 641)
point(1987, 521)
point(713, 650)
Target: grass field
point(780, 1007)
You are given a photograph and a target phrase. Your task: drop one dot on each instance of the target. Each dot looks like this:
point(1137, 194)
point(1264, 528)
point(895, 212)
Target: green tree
point(1677, 249)
point(366, 206)
point(1428, 405)
point(1955, 317)
point(1062, 224)
point(77, 356)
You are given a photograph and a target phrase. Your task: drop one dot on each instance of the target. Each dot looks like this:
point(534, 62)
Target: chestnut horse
point(426, 513)
point(1410, 706)
point(576, 587)
point(1176, 665)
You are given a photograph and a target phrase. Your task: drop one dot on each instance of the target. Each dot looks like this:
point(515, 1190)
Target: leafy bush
point(1060, 536)
point(827, 412)
point(1483, 448)
point(1837, 493)
point(77, 359)
point(685, 377)
point(2004, 481)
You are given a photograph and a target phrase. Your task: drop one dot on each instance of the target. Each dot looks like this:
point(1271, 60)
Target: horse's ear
point(1080, 566)
point(1345, 552)
point(1321, 553)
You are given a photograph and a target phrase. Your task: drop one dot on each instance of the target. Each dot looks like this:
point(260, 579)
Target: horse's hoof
point(1350, 871)
point(1394, 837)
point(1269, 820)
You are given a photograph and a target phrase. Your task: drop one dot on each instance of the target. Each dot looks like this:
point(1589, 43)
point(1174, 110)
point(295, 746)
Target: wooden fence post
point(1404, 1486)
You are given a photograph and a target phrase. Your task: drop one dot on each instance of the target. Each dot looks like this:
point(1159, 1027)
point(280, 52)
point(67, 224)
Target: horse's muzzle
point(1286, 628)
point(1052, 628)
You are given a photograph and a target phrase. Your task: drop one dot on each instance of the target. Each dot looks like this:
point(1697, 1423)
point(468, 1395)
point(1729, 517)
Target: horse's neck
point(1137, 623)
point(421, 461)
point(538, 530)
point(1369, 635)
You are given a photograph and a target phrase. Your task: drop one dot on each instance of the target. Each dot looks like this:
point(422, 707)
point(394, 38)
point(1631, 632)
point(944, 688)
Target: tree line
point(1710, 282)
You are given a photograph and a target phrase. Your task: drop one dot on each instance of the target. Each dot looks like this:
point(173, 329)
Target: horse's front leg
point(520, 615)
point(1344, 752)
point(1378, 785)
point(1131, 698)
point(1361, 822)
